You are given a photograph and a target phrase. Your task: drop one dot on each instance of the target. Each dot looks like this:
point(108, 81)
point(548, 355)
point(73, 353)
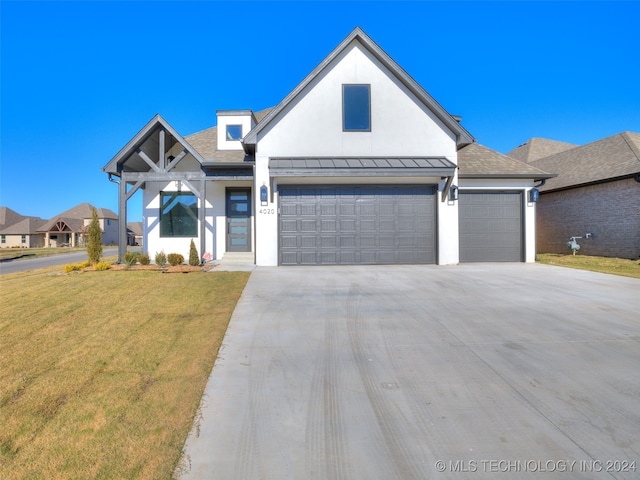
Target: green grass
point(101, 373)
point(614, 266)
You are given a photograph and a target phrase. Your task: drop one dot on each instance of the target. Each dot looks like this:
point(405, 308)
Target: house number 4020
point(267, 211)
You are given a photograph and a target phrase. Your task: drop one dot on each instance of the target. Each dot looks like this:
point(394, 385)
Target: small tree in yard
point(194, 259)
point(94, 242)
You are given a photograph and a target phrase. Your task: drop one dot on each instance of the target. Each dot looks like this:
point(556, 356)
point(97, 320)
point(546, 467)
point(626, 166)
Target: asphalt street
point(25, 264)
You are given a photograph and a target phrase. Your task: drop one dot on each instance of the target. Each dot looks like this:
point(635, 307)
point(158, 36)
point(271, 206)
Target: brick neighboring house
point(19, 231)
point(597, 191)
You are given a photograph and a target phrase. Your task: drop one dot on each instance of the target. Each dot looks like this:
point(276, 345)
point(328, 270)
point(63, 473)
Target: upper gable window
point(356, 108)
point(234, 132)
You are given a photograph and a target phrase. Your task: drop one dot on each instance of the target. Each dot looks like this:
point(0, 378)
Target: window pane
point(356, 107)
point(234, 132)
point(178, 214)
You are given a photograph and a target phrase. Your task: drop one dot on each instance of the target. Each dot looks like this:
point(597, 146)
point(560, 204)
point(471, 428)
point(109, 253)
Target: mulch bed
point(167, 269)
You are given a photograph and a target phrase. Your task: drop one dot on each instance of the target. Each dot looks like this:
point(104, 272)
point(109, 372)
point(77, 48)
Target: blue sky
point(80, 79)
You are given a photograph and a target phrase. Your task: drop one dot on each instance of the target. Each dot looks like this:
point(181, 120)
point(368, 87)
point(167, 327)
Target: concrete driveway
point(418, 372)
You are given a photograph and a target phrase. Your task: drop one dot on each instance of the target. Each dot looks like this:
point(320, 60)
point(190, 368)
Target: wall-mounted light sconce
point(453, 193)
point(534, 194)
point(264, 195)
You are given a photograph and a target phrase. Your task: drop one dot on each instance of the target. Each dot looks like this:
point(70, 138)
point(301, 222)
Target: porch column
point(122, 219)
point(202, 213)
point(46, 240)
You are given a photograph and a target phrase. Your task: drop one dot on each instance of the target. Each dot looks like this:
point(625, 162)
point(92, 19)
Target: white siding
point(311, 125)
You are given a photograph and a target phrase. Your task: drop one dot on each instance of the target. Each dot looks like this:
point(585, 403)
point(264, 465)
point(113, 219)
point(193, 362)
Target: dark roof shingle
point(478, 161)
point(611, 157)
point(537, 148)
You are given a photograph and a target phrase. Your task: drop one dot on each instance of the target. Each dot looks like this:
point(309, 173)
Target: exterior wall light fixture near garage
point(453, 192)
point(534, 194)
point(264, 195)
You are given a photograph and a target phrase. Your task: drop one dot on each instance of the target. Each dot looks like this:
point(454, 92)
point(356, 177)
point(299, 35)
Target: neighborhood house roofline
point(114, 165)
point(609, 159)
point(462, 136)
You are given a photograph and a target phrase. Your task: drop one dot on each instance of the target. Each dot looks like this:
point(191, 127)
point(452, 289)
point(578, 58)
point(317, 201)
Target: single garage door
point(490, 226)
point(351, 225)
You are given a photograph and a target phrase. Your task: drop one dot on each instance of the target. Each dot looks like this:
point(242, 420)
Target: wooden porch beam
point(147, 160)
point(122, 220)
point(202, 214)
point(161, 153)
point(178, 157)
point(134, 189)
point(161, 176)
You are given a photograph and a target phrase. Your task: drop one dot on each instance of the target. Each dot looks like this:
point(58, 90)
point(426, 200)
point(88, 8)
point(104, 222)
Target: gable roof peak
point(151, 128)
point(463, 137)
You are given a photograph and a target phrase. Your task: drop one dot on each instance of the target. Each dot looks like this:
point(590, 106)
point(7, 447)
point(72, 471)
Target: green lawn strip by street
point(614, 266)
point(101, 373)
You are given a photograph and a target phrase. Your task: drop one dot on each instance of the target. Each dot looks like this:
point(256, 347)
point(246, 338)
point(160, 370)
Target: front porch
point(185, 197)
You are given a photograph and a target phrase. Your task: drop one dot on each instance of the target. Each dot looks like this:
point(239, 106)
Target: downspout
point(636, 177)
point(542, 182)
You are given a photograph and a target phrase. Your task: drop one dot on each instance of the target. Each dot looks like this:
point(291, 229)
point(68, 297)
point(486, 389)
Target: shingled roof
point(613, 157)
point(537, 148)
point(478, 161)
point(206, 143)
point(26, 226)
point(74, 217)
point(9, 217)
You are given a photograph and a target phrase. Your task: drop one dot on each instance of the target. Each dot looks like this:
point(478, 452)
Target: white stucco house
point(357, 165)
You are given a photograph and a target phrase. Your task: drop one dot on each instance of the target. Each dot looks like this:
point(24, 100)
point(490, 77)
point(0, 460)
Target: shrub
point(130, 258)
point(175, 259)
point(94, 243)
point(161, 259)
point(194, 259)
point(103, 266)
point(73, 267)
point(144, 259)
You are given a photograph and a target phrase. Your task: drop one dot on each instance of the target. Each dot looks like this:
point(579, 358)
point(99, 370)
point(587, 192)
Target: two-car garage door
point(363, 224)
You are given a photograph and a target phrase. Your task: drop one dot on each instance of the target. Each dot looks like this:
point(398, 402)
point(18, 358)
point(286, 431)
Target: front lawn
point(101, 373)
point(615, 266)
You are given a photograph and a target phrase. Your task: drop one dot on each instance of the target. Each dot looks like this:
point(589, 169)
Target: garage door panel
point(491, 226)
point(372, 225)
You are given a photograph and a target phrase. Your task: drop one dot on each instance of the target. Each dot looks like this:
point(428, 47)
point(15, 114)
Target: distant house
point(358, 164)
point(19, 231)
point(134, 233)
point(597, 191)
point(70, 227)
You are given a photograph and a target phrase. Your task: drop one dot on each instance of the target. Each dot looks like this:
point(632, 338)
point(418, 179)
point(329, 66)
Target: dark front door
point(238, 220)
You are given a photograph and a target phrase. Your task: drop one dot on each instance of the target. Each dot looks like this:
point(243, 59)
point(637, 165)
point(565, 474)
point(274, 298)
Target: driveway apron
point(414, 372)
